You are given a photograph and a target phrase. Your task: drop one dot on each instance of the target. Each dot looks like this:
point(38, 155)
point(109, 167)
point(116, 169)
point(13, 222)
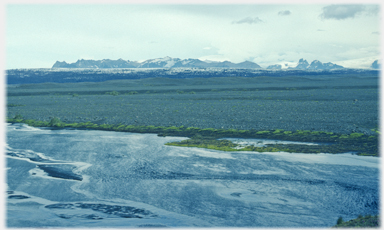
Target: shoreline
point(360, 143)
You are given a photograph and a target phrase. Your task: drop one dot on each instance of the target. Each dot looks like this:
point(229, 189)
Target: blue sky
point(38, 35)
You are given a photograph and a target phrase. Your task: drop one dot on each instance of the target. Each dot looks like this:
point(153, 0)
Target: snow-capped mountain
point(166, 62)
point(276, 66)
point(302, 64)
point(330, 65)
point(105, 63)
point(316, 65)
point(375, 64)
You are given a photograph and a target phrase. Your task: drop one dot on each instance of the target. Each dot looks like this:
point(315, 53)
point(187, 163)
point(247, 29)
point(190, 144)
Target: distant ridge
point(105, 63)
point(166, 62)
point(316, 65)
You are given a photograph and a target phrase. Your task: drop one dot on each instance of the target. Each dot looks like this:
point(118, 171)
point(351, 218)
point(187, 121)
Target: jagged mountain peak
point(316, 65)
point(302, 60)
point(376, 64)
point(302, 64)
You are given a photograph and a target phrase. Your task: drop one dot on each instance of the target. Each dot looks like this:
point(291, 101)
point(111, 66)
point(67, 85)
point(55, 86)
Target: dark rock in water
point(64, 216)
point(121, 211)
point(61, 171)
point(92, 217)
point(18, 197)
point(60, 206)
point(237, 194)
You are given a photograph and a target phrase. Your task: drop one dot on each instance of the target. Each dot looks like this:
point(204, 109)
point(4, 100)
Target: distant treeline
point(28, 76)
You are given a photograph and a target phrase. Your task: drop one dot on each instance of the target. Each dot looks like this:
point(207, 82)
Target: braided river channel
point(87, 178)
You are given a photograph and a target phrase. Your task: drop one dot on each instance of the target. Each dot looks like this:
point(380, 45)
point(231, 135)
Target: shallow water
point(85, 178)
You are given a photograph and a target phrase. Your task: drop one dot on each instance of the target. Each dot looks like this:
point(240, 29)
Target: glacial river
point(84, 178)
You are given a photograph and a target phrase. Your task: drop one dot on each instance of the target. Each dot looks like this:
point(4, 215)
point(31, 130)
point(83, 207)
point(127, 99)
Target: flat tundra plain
point(343, 103)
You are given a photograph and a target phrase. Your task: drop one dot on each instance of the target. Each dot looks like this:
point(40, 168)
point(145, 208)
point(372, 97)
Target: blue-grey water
point(85, 178)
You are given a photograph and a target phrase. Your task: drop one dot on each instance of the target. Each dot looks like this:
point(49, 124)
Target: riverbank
point(328, 142)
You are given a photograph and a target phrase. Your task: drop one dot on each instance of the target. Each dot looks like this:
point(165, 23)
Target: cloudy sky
point(38, 35)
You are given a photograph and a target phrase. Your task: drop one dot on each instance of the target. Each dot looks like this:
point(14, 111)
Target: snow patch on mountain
point(170, 63)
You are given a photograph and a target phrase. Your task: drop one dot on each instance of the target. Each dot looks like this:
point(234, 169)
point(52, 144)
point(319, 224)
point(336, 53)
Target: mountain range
point(168, 62)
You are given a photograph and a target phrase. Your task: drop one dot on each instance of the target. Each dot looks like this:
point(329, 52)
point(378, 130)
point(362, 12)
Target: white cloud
point(362, 63)
point(248, 20)
point(284, 13)
point(340, 12)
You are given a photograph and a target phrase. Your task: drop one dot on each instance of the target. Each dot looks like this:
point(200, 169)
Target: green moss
point(302, 132)
point(278, 131)
point(262, 132)
point(223, 145)
point(356, 135)
point(360, 222)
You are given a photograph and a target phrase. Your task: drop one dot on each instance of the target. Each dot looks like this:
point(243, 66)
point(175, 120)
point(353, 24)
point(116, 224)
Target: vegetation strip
point(360, 222)
point(207, 138)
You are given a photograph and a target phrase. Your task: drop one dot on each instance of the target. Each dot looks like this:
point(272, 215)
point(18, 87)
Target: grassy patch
point(292, 148)
point(360, 222)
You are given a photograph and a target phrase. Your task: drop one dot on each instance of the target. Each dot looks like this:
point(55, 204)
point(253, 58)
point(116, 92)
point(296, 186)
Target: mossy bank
point(328, 142)
point(367, 221)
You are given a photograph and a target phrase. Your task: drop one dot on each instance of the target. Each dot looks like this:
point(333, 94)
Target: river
point(87, 178)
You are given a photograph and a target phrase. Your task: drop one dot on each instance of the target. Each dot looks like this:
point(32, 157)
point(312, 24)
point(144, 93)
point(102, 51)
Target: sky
point(38, 35)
